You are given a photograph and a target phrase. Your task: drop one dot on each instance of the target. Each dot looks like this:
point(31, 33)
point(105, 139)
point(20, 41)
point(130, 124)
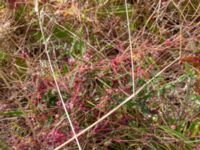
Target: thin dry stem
point(118, 106)
point(53, 73)
point(131, 48)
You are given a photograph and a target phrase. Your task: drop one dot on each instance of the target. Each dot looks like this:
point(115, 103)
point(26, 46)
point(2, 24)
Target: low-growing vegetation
point(100, 74)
